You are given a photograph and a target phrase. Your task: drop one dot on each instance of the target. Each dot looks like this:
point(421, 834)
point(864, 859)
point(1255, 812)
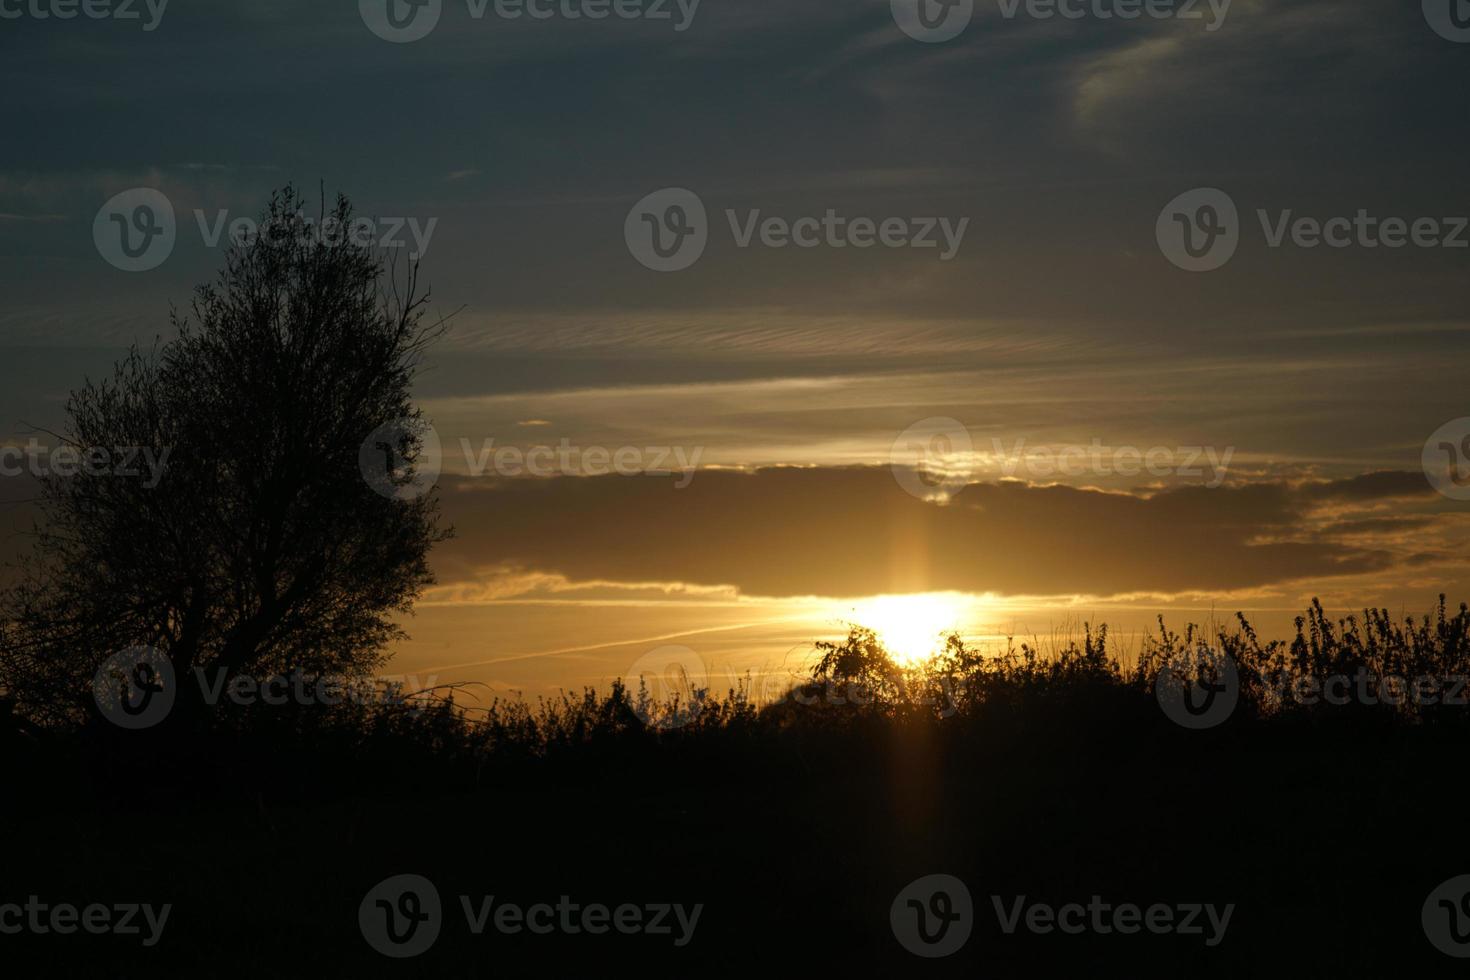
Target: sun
point(912, 627)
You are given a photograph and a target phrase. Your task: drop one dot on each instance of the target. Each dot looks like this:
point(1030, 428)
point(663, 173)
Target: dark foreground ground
point(1326, 834)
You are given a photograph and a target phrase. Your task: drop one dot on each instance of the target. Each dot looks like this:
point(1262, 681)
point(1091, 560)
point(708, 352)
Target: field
point(1043, 781)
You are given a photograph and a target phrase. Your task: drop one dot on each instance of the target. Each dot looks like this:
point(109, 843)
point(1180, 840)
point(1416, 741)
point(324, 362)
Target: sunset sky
point(790, 374)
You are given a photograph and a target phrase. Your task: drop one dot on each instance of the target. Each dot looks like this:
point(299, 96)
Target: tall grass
point(855, 681)
point(857, 678)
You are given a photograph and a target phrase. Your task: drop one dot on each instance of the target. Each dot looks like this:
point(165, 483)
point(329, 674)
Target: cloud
point(1270, 68)
point(840, 532)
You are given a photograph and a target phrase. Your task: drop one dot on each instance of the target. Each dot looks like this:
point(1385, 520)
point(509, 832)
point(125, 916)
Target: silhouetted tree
point(860, 665)
point(260, 546)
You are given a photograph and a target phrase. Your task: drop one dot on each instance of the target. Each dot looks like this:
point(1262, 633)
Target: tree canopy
point(260, 546)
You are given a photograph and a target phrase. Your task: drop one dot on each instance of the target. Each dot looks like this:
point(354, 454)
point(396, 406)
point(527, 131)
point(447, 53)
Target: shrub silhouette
point(1078, 681)
point(1046, 771)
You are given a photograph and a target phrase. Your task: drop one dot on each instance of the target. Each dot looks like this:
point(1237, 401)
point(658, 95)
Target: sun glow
point(912, 627)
